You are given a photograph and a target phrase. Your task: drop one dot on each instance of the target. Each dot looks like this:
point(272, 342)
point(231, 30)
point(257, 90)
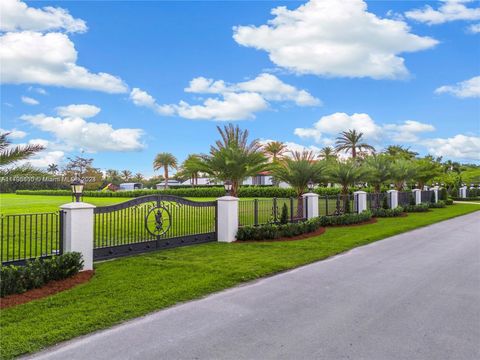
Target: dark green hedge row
point(274, 231)
point(417, 208)
point(467, 199)
point(473, 193)
point(387, 212)
point(438, 205)
point(449, 202)
point(36, 273)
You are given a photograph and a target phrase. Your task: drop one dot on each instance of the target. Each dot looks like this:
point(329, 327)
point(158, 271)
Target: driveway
point(411, 296)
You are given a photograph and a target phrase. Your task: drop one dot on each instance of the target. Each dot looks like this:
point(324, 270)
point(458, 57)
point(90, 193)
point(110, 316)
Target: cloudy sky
point(121, 81)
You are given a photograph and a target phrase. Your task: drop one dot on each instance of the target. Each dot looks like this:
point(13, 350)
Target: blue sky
point(160, 76)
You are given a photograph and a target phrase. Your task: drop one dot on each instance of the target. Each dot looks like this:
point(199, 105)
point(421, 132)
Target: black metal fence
point(29, 236)
point(269, 211)
point(426, 196)
point(377, 200)
point(404, 198)
point(152, 222)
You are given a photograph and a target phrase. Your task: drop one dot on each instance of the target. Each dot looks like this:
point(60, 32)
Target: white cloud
point(78, 110)
point(458, 147)
point(37, 90)
point(142, 98)
point(408, 131)
point(235, 101)
point(466, 89)
point(76, 133)
point(29, 101)
point(45, 158)
point(450, 10)
point(338, 122)
point(474, 29)
point(14, 133)
point(17, 16)
point(334, 38)
point(49, 59)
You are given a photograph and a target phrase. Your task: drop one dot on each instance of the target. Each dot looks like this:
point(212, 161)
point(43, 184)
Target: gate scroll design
point(152, 222)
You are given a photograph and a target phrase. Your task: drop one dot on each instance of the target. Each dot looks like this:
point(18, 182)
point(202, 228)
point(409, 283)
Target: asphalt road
point(411, 296)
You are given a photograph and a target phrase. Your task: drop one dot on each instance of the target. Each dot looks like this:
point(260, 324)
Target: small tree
point(346, 174)
point(284, 215)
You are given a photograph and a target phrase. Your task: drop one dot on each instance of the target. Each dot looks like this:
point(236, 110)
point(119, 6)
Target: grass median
point(130, 287)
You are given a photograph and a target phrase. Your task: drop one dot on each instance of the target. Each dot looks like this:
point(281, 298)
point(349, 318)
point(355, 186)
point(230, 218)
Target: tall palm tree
point(351, 141)
point(327, 153)
point(126, 175)
point(399, 151)
point(346, 174)
point(9, 155)
point(274, 149)
point(298, 170)
point(138, 177)
point(378, 170)
point(233, 157)
point(165, 160)
point(402, 171)
point(52, 169)
point(112, 176)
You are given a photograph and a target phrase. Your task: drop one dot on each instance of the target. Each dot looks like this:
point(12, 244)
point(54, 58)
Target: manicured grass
point(130, 287)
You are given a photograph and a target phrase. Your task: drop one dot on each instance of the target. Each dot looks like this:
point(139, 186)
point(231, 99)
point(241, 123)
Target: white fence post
point(463, 192)
point(227, 218)
point(417, 195)
point(78, 231)
point(393, 198)
point(435, 191)
point(360, 199)
point(310, 205)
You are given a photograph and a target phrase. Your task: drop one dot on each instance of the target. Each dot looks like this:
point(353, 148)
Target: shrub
point(387, 212)
point(274, 231)
point(36, 273)
point(416, 208)
point(385, 202)
point(449, 201)
point(442, 194)
point(432, 197)
point(412, 199)
point(284, 215)
point(440, 204)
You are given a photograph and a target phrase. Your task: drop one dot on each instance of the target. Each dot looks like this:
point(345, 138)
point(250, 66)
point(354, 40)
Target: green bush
point(36, 273)
point(274, 231)
point(442, 194)
point(412, 199)
point(440, 204)
point(449, 201)
point(416, 208)
point(385, 202)
point(284, 215)
point(387, 212)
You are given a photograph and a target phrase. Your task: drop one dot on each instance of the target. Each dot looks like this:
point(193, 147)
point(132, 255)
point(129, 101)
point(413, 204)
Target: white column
point(78, 231)
point(310, 205)
point(435, 191)
point(417, 195)
point(227, 218)
point(463, 192)
point(393, 194)
point(361, 200)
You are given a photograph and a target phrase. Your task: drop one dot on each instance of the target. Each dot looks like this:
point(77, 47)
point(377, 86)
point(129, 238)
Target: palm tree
point(327, 153)
point(377, 170)
point(345, 174)
point(165, 160)
point(298, 171)
point(233, 157)
point(350, 140)
point(138, 177)
point(426, 170)
point(52, 169)
point(126, 175)
point(402, 171)
point(9, 155)
point(398, 151)
point(191, 167)
point(274, 149)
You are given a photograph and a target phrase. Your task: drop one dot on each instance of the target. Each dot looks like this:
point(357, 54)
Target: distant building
point(171, 182)
point(130, 186)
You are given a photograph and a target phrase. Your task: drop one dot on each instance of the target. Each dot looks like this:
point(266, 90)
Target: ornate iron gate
point(152, 222)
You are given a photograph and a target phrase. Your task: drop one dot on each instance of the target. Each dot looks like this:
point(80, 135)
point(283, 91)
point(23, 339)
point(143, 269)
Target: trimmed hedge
point(276, 231)
point(36, 273)
point(438, 205)
point(387, 212)
point(417, 208)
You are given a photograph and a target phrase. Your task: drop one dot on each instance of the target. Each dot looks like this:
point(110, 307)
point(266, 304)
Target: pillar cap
point(227, 198)
point(77, 205)
point(392, 190)
point(310, 194)
point(359, 192)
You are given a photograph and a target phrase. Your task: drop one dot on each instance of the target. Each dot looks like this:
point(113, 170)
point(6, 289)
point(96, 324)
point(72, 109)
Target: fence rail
point(270, 211)
point(29, 236)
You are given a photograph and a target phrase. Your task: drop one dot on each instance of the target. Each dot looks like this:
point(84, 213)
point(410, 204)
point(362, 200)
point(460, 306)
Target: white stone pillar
point(227, 218)
point(435, 191)
point(78, 231)
point(393, 194)
point(417, 195)
point(360, 198)
point(463, 192)
point(310, 205)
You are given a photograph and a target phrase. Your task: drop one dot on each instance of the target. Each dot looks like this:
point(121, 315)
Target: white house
point(130, 186)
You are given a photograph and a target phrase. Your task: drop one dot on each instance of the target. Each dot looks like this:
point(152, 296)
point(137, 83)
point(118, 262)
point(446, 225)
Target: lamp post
point(228, 187)
point(77, 188)
point(310, 185)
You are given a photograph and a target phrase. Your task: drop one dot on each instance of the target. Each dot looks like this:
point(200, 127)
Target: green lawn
point(130, 287)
